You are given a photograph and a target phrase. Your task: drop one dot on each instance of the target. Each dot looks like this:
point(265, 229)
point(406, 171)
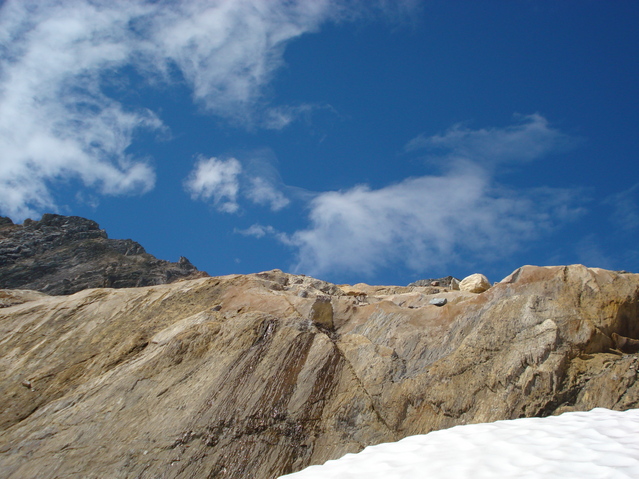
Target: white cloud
point(421, 222)
point(54, 120)
point(224, 181)
point(228, 50)
point(432, 221)
point(264, 193)
point(58, 122)
point(279, 117)
point(216, 180)
point(260, 231)
point(257, 231)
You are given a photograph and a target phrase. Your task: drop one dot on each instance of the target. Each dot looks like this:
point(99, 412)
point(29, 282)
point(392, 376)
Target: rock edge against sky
point(255, 376)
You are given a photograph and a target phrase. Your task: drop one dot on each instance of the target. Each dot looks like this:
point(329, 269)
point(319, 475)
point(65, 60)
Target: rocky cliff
point(66, 254)
point(261, 375)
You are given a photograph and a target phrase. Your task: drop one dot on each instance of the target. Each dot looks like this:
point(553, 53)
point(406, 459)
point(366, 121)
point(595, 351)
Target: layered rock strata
point(260, 375)
point(66, 254)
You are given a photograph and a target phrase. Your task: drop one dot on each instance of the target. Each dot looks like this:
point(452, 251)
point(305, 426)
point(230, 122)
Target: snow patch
point(597, 444)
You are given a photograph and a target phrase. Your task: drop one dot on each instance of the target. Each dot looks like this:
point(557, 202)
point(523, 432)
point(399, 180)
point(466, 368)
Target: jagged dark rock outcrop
point(65, 254)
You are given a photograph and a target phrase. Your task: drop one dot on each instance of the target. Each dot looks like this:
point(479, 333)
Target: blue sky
point(353, 141)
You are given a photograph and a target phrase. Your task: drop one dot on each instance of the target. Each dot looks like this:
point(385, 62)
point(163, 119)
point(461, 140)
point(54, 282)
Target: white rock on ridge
point(475, 283)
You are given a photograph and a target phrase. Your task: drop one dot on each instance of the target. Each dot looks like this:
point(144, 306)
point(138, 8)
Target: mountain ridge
point(61, 255)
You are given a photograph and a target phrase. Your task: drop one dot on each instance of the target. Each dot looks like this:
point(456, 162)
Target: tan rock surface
point(475, 283)
point(254, 377)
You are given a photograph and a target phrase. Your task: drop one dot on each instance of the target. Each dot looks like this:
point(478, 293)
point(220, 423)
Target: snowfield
point(586, 445)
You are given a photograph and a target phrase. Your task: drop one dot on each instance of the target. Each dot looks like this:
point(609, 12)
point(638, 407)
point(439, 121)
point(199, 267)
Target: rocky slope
point(261, 375)
point(66, 254)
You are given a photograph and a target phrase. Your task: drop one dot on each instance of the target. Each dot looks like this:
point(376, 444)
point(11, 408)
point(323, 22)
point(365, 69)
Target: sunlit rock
point(475, 283)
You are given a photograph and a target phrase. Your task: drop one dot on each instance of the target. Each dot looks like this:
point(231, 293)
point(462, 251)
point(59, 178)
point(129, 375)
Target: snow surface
point(597, 444)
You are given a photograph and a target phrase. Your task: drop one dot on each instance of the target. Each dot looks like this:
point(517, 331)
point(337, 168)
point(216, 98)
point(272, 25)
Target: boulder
point(475, 283)
point(438, 301)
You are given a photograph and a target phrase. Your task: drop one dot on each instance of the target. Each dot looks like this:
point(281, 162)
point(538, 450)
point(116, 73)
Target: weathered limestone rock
point(229, 377)
point(66, 254)
point(475, 283)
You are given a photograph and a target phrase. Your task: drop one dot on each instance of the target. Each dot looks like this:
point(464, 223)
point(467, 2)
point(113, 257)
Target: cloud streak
point(530, 138)
point(625, 209)
point(435, 220)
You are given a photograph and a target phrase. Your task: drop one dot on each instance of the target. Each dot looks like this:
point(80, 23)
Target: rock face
point(261, 375)
point(446, 282)
point(475, 283)
point(65, 254)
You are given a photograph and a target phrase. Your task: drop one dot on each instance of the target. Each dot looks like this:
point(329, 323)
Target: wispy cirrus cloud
point(57, 121)
point(431, 221)
point(263, 192)
point(625, 209)
point(531, 137)
point(612, 245)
